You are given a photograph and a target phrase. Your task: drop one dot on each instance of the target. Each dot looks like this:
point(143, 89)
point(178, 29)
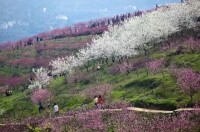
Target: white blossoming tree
point(41, 80)
point(136, 34)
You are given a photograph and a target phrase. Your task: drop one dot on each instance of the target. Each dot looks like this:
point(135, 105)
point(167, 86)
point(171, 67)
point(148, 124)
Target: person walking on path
point(96, 101)
point(100, 102)
point(56, 109)
point(40, 107)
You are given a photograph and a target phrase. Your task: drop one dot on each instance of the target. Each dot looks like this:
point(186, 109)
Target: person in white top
point(56, 109)
point(95, 101)
point(98, 68)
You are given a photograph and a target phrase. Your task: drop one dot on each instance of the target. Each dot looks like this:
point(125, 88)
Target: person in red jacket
point(100, 102)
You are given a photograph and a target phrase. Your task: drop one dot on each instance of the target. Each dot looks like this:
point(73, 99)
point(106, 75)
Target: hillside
point(162, 74)
point(17, 64)
point(139, 87)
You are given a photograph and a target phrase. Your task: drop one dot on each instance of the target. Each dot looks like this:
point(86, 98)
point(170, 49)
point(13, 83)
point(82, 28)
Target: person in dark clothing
point(9, 92)
point(40, 107)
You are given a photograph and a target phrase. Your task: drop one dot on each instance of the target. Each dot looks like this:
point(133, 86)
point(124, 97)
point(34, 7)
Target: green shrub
point(148, 83)
point(34, 129)
point(155, 104)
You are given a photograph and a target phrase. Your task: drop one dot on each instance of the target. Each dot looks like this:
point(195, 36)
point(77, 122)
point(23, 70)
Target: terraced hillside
point(156, 67)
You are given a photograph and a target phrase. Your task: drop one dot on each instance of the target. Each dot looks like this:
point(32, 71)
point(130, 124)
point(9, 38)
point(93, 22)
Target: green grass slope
point(155, 91)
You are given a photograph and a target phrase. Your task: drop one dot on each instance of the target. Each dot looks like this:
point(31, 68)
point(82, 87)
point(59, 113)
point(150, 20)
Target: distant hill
point(22, 18)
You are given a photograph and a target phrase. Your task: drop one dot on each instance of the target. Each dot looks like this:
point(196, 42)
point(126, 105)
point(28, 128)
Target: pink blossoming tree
point(188, 80)
point(155, 65)
point(101, 89)
point(40, 95)
point(192, 44)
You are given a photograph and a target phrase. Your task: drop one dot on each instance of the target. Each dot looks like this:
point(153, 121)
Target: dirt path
point(153, 111)
point(132, 109)
point(149, 110)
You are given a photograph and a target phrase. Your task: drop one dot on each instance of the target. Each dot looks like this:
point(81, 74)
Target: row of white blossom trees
point(133, 36)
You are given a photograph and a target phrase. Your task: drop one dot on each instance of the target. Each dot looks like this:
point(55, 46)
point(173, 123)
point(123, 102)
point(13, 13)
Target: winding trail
point(137, 109)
